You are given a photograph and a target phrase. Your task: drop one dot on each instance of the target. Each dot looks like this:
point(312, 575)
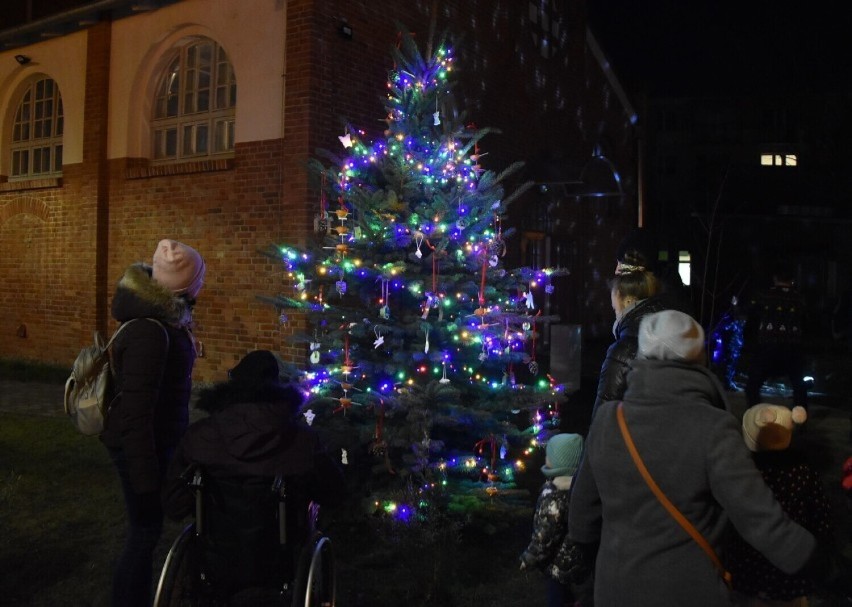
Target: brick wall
point(64, 245)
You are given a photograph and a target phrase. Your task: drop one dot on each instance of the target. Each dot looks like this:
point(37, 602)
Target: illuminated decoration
point(727, 342)
point(420, 345)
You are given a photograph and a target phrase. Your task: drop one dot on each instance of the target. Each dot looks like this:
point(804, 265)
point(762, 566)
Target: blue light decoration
point(421, 342)
point(727, 342)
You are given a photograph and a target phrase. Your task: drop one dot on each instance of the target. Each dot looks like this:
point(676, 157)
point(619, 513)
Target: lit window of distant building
point(36, 145)
point(779, 160)
point(195, 105)
point(684, 261)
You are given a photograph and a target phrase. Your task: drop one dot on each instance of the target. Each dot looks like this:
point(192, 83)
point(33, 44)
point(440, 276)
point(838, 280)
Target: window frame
point(37, 110)
point(194, 106)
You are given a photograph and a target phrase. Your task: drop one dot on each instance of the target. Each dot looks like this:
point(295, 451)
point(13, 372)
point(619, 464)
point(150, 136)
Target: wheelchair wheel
point(316, 583)
point(175, 588)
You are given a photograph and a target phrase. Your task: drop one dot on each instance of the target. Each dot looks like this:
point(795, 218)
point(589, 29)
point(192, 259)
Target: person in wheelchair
point(252, 435)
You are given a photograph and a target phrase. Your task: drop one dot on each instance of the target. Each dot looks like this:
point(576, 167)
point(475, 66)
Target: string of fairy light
point(461, 240)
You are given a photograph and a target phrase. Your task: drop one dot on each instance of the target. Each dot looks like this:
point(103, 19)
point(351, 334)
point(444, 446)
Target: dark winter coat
point(548, 550)
point(616, 364)
point(252, 431)
point(799, 489)
point(153, 376)
point(693, 448)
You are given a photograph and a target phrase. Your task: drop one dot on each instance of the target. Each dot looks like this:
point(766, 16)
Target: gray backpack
point(90, 390)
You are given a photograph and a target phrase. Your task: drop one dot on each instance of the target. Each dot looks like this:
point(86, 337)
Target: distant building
point(123, 122)
point(743, 183)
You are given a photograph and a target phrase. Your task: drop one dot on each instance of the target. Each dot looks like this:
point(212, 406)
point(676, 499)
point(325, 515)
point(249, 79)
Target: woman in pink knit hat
point(152, 357)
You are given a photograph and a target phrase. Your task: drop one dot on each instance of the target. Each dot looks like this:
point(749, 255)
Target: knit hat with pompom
point(768, 427)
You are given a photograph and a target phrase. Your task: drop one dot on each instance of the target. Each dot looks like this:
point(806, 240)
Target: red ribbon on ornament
point(482, 283)
point(480, 445)
point(532, 354)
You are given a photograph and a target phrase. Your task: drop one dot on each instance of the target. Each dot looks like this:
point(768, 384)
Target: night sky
point(705, 46)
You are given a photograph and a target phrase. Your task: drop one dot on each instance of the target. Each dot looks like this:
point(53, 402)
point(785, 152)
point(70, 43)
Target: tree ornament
point(380, 339)
point(340, 285)
point(282, 318)
point(346, 140)
point(309, 416)
point(444, 379)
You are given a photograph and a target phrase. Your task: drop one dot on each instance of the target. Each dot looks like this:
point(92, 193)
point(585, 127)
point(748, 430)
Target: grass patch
point(33, 371)
point(62, 524)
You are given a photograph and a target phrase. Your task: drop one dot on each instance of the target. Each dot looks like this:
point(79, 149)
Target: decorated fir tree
point(420, 347)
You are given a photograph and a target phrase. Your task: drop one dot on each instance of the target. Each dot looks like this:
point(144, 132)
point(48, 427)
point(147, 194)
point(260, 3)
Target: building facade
point(195, 119)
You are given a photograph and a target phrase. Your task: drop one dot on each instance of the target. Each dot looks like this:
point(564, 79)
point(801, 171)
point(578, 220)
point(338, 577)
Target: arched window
point(36, 147)
point(194, 108)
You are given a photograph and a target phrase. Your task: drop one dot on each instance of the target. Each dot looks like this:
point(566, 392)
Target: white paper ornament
point(309, 416)
point(315, 356)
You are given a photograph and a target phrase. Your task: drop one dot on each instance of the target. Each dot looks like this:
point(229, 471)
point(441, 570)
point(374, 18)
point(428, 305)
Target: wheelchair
point(253, 541)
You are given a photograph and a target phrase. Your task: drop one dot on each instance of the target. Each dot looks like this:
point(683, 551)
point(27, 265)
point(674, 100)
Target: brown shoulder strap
point(672, 509)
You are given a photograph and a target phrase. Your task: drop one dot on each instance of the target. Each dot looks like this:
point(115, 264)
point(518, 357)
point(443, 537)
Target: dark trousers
point(775, 360)
point(132, 577)
point(558, 595)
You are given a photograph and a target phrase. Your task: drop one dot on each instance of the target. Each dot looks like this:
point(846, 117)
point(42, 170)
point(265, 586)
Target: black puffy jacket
point(613, 378)
point(252, 431)
point(151, 412)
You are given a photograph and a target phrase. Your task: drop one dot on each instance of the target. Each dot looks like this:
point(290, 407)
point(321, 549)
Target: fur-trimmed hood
point(138, 295)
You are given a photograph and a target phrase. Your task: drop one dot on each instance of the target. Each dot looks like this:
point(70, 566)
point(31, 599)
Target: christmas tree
point(421, 346)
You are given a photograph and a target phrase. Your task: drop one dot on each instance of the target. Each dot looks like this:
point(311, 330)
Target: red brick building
point(195, 119)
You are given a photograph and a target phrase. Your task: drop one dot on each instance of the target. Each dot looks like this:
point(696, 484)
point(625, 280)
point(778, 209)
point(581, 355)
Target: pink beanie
point(178, 267)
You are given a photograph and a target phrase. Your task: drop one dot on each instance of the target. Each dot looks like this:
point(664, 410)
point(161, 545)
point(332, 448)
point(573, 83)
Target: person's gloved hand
point(150, 510)
point(819, 568)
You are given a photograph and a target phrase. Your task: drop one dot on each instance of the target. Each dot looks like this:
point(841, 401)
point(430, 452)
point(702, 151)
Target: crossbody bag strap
point(671, 508)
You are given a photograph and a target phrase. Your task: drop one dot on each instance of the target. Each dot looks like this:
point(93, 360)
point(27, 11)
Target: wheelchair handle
point(279, 487)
